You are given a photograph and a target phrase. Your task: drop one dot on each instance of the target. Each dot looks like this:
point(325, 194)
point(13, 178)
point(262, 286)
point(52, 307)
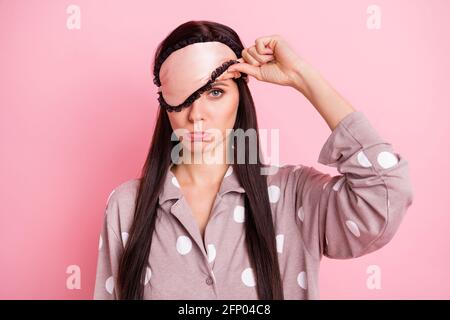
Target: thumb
point(244, 68)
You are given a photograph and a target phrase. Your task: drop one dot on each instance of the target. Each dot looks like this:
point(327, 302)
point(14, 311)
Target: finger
point(246, 68)
point(261, 58)
point(228, 75)
point(262, 46)
point(249, 59)
point(267, 42)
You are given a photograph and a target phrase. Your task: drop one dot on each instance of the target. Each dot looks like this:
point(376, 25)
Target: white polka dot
point(302, 280)
point(248, 278)
point(175, 182)
point(211, 252)
point(338, 184)
point(280, 242)
point(109, 285)
point(239, 214)
point(125, 236)
point(184, 245)
point(301, 213)
point(148, 275)
point(387, 159)
point(362, 159)
point(100, 242)
point(229, 171)
point(274, 193)
point(353, 227)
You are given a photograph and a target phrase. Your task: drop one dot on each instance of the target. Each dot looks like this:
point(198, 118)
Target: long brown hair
point(259, 229)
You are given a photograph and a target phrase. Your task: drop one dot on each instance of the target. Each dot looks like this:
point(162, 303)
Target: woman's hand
point(271, 59)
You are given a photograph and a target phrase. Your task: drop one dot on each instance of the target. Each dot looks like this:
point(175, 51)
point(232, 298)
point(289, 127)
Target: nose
point(197, 111)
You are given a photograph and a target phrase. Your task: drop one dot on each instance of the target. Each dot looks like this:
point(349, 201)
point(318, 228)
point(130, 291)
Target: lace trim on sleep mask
point(214, 75)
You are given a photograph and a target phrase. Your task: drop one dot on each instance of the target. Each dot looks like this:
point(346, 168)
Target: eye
point(216, 91)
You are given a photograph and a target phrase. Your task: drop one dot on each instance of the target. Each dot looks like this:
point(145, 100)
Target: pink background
point(77, 109)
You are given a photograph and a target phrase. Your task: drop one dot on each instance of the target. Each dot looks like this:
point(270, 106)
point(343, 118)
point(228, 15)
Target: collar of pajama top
point(180, 208)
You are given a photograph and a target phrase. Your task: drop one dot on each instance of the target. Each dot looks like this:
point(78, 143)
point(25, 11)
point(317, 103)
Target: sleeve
point(110, 249)
point(358, 211)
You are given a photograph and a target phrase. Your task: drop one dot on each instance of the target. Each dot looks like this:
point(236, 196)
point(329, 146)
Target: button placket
point(216, 208)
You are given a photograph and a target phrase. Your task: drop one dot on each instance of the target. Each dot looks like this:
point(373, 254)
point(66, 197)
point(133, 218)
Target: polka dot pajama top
point(315, 214)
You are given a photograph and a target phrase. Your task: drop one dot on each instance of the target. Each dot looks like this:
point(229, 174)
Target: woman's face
point(213, 113)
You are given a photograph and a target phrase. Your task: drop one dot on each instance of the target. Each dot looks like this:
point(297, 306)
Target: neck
point(201, 175)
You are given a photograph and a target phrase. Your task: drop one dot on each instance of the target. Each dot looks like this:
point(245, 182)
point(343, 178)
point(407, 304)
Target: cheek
point(226, 115)
point(177, 120)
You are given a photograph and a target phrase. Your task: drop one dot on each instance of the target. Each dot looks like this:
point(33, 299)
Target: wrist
point(302, 72)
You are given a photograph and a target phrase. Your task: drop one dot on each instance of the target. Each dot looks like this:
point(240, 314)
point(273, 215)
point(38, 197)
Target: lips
point(198, 136)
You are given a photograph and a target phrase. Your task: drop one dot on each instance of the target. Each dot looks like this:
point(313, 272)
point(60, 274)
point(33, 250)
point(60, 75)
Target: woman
point(202, 230)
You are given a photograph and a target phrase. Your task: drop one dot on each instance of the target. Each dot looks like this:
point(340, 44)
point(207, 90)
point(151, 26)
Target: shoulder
point(288, 183)
point(286, 175)
point(121, 203)
point(124, 192)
